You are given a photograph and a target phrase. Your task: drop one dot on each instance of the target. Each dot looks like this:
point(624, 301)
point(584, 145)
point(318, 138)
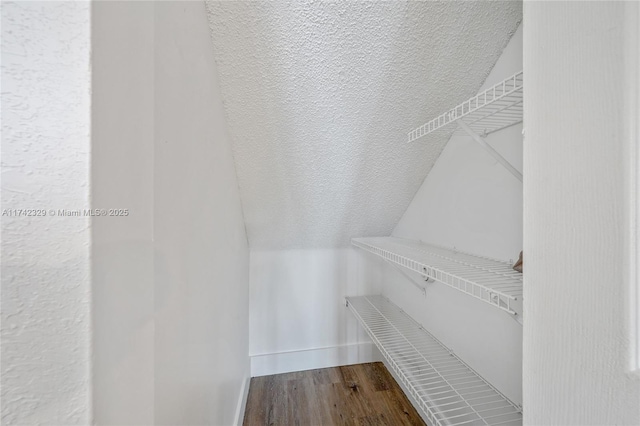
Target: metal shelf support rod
point(495, 154)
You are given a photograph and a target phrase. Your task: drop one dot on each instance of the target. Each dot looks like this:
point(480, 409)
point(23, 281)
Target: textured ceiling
point(319, 97)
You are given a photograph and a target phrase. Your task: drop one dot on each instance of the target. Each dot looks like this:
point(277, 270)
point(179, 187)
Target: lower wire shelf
point(446, 389)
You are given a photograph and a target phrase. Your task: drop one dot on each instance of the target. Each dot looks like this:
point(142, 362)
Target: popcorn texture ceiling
point(319, 98)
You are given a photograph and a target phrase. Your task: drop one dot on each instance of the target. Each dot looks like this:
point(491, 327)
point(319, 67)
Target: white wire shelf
point(496, 108)
point(489, 280)
point(446, 389)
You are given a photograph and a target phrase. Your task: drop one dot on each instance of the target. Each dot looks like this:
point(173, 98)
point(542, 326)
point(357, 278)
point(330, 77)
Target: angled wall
point(171, 278)
point(201, 257)
point(320, 95)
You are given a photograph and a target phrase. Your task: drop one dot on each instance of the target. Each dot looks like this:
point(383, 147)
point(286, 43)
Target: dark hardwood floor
point(362, 394)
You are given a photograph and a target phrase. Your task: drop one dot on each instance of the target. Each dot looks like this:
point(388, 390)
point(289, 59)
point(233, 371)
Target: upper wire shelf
point(489, 280)
point(496, 108)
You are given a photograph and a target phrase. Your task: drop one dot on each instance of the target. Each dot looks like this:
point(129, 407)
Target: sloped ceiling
point(319, 97)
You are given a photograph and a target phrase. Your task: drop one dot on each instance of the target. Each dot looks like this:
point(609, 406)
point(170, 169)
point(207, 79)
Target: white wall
point(577, 329)
point(469, 201)
point(299, 320)
point(202, 255)
point(171, 279)
point(122, 177)
point(45, 370)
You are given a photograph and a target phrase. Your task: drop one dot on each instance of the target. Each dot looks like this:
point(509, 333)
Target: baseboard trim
point(309, 359)
point(242, 402)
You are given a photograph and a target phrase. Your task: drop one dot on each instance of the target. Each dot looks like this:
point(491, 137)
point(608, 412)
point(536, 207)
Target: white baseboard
point(309, 359)
point(242, 402)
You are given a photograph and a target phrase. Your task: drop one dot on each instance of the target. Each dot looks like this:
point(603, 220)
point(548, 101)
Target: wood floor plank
point(339, 412)
point(377, 375)
point(362, 394)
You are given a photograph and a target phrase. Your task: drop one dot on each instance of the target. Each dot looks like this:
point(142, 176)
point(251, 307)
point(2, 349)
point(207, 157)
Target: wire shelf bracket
point(489, 280)
point(494, 109)
point(445, 388)
point(495, 154)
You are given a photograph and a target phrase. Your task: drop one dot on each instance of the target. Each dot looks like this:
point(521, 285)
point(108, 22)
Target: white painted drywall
point(576, 330)
point(202, 254)
point(122, 177)
point(46, 292)
point(298, 315)
point(173, 276)
point(320, 97)
point(632, 129)
point(469, 201)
